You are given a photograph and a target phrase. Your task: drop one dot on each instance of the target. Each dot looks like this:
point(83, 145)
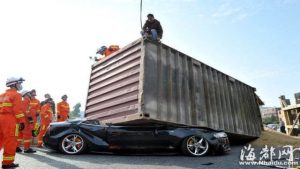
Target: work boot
point(30, 150)
point(13, 165)
point(19, 150)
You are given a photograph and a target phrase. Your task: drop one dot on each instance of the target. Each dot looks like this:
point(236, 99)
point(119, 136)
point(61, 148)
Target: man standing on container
point(12, 120)
point(152, 28)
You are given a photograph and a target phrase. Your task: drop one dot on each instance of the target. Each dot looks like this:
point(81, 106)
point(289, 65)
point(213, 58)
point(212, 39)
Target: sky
point(48, 42)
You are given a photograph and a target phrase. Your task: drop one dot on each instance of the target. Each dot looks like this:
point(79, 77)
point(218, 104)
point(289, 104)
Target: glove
point(35, 133)
point(21, 126)
point(68, 116)
point(58, 116)
point(30, 119)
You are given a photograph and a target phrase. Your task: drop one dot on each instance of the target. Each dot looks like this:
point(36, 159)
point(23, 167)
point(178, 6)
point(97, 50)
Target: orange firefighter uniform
point(11, 115)
point(26, 134)
point(111, 49)
point(46, 117)
point(63, 110)
point(107, 51)
point(35, 108)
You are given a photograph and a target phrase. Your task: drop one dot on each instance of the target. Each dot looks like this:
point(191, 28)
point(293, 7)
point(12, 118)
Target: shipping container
point(151, 82)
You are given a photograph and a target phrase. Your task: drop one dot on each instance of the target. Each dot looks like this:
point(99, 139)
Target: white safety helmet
point(13, 81)
point(24, 92)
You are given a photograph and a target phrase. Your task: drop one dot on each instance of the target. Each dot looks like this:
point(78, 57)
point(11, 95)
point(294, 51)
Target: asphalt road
point(48, 159)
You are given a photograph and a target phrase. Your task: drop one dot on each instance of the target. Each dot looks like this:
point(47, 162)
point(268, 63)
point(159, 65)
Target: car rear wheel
point(195, 146)
point(72, 144)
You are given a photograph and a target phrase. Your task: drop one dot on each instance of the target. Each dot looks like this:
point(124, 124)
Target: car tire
point(195, 146)
point(72, 144)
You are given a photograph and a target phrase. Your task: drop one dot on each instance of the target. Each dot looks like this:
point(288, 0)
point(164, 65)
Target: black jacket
point(153, 25)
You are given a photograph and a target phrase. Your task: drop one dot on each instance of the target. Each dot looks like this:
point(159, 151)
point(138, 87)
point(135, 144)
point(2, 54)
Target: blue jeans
point(153, 34)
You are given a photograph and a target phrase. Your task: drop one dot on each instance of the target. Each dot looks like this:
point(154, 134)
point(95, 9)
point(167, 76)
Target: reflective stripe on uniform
point(17, 130)
point(6, 104)
point(8, 158)
point(40, 141)
point(20, 139)
point(20, 115)
point(46, 116)
point(27, 141)
point(43, 127)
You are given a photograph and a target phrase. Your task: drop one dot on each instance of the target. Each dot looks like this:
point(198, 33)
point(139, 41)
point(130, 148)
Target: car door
point(164, 137)
point(137, 137)
point(121, 137)
point(140, 137)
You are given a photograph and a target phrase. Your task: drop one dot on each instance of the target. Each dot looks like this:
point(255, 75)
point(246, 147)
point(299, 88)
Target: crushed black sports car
point(78, 136)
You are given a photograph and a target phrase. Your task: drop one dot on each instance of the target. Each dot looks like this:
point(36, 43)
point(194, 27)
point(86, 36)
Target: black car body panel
point(139, 137)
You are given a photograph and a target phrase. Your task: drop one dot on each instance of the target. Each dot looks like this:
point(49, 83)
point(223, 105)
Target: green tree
point(274, 119)
point(271, 120)
point(76, 111)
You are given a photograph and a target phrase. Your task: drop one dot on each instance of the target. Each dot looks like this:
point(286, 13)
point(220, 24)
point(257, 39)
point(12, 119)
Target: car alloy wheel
point(195, 146)
point(73, 144)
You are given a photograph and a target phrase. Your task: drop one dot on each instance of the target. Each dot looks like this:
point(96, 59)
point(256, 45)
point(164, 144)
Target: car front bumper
point(223, 144)
point(49, 141)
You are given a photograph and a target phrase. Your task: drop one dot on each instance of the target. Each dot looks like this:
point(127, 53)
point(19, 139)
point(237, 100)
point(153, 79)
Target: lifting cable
point(141, 7)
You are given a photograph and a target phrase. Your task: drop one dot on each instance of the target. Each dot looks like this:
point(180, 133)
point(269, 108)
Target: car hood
point(68, 122)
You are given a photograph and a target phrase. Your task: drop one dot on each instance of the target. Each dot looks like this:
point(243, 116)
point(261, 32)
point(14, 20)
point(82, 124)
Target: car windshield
point(93, 122)
point(76, 120)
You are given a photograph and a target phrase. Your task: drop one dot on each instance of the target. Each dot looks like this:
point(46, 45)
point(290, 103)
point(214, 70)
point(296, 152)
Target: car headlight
point(220, 134)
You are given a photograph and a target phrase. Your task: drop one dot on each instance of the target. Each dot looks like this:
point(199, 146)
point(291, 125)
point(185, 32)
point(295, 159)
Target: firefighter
point(12, 120)
point(26, 135)
point(48, 96)
point(63, 109)
point(107, 51)
point(46, 118)
point(35, 108)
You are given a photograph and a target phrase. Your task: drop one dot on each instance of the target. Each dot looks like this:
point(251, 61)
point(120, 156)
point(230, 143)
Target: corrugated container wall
point(148, 81)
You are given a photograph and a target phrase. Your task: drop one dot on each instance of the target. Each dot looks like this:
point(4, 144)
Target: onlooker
point(282, 126)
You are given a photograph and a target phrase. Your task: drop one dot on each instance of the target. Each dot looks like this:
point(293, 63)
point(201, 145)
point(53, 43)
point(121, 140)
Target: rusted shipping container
point(148, 81)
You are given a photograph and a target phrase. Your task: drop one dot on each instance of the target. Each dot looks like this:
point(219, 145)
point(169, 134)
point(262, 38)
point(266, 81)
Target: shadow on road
point(138, 159)
point(52, 162)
